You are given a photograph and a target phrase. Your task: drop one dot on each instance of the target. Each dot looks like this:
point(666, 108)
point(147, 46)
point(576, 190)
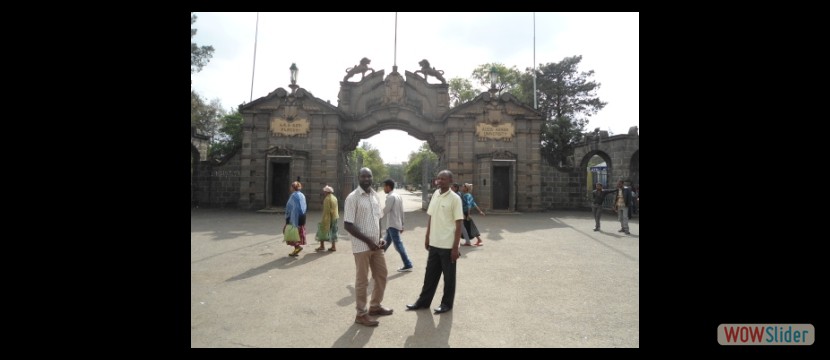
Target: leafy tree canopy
point(507, 81)
point(397, 173)
point(368, 156)
point(228, 139)
point(199, 55)
point(460, 91)
point(204, 115)
point(566, 98)
point(415, 167)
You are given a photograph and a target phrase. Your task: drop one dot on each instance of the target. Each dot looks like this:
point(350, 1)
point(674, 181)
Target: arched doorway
point(595, 166)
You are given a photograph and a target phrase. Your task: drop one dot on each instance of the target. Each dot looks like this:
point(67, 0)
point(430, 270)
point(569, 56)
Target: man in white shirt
point(393, 214)
point(362, 220)
point(443, 235)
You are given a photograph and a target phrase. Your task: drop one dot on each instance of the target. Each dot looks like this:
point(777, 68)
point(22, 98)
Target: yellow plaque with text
point(282, 127)
point(501, 131)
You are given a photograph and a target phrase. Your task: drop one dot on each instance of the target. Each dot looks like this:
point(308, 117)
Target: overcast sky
point(323, 45)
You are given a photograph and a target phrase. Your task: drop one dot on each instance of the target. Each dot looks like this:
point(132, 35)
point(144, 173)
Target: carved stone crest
point(394, 92)
point(493, 112)
point(503, 155)
point(278, 150)
point(294, 121)
point(290, 110)
point(496, 125)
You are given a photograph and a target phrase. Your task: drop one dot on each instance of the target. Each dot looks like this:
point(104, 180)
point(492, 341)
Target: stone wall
point(560, 189)
point(217, 185)
point(621, 153)
point(568, 189)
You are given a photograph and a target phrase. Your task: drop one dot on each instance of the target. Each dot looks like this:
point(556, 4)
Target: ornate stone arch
point(316, 146)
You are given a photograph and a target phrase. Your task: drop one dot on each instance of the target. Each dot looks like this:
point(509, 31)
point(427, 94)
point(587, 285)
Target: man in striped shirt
point(362, 220)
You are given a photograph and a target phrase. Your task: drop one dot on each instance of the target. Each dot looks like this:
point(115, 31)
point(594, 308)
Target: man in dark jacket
point(596, 204)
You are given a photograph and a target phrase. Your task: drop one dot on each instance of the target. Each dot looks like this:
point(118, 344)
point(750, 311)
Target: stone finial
point(633, 131)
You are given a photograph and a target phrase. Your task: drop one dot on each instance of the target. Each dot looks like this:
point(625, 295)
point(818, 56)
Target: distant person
point(295, 212)
point(468, 204)
point(635, 205)
point(444, 217)
point(464, 236)
point(596, 204)
point(327, 230)
point(362, 220)
point(622, 203)
point(394, 218)
point(638, 199)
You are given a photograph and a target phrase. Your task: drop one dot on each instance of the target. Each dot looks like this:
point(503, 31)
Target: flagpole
point(256, 35)
point(534, 62)
point(395, 56)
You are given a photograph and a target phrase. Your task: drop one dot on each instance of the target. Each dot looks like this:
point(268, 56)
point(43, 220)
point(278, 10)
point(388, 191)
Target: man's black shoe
point(442, 309)
point(415, 307)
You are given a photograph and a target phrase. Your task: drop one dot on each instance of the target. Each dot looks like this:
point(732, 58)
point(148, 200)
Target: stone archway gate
point(490, 141)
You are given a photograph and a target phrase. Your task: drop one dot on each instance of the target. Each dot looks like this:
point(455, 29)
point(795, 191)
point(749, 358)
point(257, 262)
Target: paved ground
point(540, 280)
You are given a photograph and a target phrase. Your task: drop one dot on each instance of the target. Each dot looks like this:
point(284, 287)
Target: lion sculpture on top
point(359, 69)
point(428, 71)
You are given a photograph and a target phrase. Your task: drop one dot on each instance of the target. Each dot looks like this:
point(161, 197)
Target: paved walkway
point(540, 280)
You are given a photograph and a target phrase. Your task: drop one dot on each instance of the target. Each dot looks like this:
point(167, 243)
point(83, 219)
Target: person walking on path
point(295, 211)
point(443, 235)
point(394, 216)
point(622, 203)
point(468, 203)
point(596, 204)
point(327, 230)
point(362, 220)
point(464, 236)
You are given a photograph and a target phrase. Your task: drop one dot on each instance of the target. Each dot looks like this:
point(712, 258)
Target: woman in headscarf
point(467, 203)
point(295, 211)
point(328, 226)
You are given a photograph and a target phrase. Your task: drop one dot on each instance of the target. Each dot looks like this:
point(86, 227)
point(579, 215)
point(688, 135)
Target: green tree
point(396, 172)
point(461, 90)
point(204, 115)
point(199, 55)
point(508, 78)
point(366, 155)
point(566, 100)
point(228, 139)
point(196, 105)
point(414, 167)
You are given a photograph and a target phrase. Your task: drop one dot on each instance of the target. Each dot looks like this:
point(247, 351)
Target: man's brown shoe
point(365, 320)
point(380, 311)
